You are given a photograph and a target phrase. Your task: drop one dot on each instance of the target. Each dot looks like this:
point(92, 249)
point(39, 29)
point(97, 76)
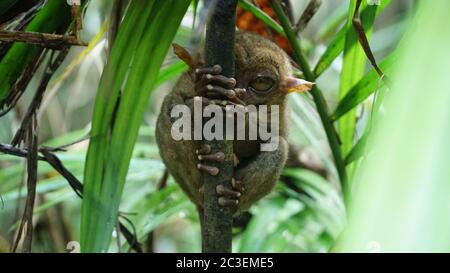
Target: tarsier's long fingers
point(215, 70)
point(238, 105)
point(220, 80)
point(212, 92)
point(218, 90)
point(210, 83)
point(219, 102)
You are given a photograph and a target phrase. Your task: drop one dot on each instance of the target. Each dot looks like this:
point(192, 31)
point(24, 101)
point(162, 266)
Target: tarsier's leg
point(227, 197)
point(260, 174)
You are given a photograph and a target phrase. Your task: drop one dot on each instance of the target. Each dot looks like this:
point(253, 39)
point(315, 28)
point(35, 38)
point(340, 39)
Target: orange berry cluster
point(248, 22)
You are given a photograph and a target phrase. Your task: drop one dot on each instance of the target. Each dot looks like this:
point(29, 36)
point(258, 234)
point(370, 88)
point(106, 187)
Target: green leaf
point(135, 60)
point(353, 69)
point(333, 22)
point(363, 88)
point(20, 55)
point(357, 151)
point(171, 72)
point(337, 45)
point(5, 5)
point(294, 221)
point(401, 192)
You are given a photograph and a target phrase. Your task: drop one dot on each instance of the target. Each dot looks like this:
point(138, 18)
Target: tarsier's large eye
point(262, 84)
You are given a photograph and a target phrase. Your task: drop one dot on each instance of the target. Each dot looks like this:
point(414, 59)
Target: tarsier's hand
point(211, 84)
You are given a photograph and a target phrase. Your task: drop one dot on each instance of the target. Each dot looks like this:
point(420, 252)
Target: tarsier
point(263, 77)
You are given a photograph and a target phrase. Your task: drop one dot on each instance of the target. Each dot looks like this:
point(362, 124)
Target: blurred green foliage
point(308, 215)
point(401, 194)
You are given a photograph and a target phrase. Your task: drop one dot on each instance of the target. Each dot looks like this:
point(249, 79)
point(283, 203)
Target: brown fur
point(258, 170)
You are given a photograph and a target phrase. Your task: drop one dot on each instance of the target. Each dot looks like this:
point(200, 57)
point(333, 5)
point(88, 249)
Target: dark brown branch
point(130, 236)
point(11, 150)
point(307, 15)
point(32, 168)
point(54, 161)
point(219, 49)
point(47, 40)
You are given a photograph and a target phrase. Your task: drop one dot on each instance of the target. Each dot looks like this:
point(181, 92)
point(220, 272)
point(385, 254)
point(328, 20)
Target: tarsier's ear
point(292, 84)
point(186, 57)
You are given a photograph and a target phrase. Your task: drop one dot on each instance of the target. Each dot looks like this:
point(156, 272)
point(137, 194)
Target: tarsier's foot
point(227, 197)
point(211, 84)
point(230, 197)
point(204, 154)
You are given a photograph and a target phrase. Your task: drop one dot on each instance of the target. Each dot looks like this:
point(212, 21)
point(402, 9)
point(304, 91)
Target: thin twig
point(47, 40)
point(27, 218)
point(365, 42)
point(19, 152)
point(74, 183)
point(19, 87)
point(37, 99)
point(130, 236)
point(307, 15)
point(54, 161)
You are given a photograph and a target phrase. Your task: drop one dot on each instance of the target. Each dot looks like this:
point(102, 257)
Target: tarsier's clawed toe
point(215, 69)
point(230, 197)
point(227, 197)
point(237, 186)
point(210, 83)
point(204, 154)
point(217, 157)
point(208, 169)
